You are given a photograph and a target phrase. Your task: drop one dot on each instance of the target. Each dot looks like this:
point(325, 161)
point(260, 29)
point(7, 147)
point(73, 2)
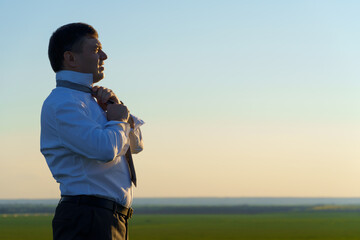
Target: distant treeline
point(241, 209)
point(26, 208)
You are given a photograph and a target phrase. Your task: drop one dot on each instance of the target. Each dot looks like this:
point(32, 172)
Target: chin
point(98, 77)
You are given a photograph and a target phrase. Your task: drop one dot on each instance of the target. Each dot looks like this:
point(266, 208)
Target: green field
point(297, 225)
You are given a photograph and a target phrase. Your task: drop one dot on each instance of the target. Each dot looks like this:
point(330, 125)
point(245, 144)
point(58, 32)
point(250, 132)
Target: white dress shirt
point(84, 151)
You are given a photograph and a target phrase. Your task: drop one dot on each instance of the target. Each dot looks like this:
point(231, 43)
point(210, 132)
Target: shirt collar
point(85, 79)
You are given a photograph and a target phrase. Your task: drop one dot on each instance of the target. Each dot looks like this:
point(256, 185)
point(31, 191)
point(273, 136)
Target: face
point(91, 59)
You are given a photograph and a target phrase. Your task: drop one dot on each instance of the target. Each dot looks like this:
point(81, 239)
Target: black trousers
point(74, 221)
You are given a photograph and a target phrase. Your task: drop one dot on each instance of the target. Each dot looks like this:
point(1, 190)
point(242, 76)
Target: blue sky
point(240, 98)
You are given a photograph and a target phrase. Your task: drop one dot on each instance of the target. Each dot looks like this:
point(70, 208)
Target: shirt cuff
point(137, 122)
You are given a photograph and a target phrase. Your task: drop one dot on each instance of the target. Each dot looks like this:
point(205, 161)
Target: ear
point(69, 60)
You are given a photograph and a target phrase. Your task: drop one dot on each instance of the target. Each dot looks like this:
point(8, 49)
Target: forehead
point(91, 42)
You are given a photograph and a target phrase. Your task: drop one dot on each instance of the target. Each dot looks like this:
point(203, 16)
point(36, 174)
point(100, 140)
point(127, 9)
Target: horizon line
point(202, 197)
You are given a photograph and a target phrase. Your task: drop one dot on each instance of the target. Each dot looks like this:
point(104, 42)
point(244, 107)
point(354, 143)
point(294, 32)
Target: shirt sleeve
point(84, 136)
point(136, 140)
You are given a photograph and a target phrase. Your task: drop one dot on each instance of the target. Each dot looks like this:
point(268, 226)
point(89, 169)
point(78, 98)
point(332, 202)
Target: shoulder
point(61, 99)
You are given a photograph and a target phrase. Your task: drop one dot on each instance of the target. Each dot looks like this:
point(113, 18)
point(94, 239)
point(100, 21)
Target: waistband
point(98, 202)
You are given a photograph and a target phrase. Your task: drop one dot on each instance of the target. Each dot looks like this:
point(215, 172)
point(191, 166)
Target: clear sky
point(240, 98)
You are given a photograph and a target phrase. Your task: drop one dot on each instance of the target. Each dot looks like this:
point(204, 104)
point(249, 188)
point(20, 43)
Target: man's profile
point(87, 134)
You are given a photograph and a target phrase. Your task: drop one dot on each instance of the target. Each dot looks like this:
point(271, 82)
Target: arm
point(82, 135)
point(102, 95)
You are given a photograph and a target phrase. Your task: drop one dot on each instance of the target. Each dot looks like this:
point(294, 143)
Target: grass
point(271, 226)
point(25, 227)
point(255, 227)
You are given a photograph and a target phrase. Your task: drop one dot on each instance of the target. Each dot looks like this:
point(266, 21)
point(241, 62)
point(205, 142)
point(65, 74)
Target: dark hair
point(67, 38)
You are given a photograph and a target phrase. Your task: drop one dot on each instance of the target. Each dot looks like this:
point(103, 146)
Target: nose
point(103, 55)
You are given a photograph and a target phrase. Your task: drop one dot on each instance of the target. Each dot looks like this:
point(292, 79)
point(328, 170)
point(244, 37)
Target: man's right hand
point(117, 112)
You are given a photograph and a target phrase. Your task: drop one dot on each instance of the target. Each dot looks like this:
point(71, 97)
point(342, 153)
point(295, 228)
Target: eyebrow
point(98, 45)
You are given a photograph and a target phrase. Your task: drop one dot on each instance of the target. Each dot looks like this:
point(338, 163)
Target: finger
point(103, 95)
point(100, 93)
point(96, 91)
point(125, 108)
point(95, 88)
point(107, 94)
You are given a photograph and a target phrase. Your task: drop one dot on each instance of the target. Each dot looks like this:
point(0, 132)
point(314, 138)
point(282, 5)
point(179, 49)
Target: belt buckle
point(129, 213)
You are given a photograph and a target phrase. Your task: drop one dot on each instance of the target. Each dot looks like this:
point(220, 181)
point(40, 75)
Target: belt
point(98, 202)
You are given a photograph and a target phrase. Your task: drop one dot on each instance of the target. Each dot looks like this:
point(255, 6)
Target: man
point(85, 136)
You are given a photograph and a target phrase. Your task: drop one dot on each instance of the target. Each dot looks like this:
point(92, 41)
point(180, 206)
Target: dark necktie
point(82, 88)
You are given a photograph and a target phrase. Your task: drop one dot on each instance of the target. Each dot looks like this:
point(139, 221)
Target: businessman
point(87, 134)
